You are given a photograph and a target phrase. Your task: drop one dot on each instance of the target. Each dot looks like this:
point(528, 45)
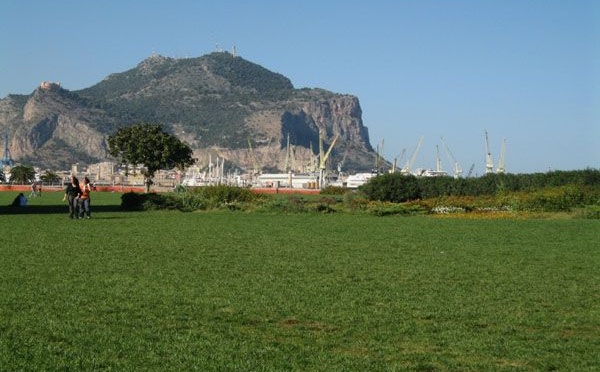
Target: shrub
point(355, 201)
point(591, 212)
point(334, 190)
point(388, 209)
point(392, 187)
point(132, 201)
point(190, 202)
point(324, 208)
point(291, 204)
point(160, 201)
point(222, 195)
point(555, 199)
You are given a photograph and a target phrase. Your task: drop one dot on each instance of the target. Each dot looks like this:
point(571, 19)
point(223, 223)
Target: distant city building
point(102, 172)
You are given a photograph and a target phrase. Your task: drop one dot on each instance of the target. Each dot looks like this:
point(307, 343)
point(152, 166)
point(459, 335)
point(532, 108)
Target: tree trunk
point(147, 183)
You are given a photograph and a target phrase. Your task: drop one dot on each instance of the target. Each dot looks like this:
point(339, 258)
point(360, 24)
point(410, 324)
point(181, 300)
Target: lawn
point(239, 291)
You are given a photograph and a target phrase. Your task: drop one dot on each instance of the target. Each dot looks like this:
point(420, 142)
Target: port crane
point(6, 160)
point(501, 161)
point(438, 161)
point(471, 170)
point(489, 161)
point(323, 158)
point(456, 169)
point(407, 168)
point(378, 157)
point(397, 159)
point(290, 161)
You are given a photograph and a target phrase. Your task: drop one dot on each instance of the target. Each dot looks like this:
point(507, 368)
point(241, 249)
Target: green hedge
point(201, 198)
point(399, 188)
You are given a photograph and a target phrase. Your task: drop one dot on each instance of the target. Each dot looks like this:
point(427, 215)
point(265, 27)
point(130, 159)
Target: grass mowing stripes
point(250, 291)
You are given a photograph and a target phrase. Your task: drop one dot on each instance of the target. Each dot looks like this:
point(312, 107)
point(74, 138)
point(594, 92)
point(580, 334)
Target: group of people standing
point(78, 197)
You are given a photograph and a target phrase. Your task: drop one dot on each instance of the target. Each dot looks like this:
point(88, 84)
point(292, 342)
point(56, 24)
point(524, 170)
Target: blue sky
point(525, 71)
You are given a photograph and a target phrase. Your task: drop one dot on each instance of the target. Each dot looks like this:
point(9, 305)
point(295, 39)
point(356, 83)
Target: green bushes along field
point(576, 193)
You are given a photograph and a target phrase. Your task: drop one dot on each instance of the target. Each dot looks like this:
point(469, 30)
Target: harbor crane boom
point(407, 168)
point(288, 157)
point(397, 160)
point(471, 170)
point(438, 160)
point(457, 170)
point(323, 158)
point(501, 161)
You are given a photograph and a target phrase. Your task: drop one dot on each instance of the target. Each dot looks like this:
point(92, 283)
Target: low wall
point(117, 188)
point(27, 188)
point(275, 190)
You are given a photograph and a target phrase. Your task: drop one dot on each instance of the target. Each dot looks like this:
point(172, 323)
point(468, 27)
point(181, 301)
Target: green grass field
point(235, 291)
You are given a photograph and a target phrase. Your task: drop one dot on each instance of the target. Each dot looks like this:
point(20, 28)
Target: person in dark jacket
point(72, 193)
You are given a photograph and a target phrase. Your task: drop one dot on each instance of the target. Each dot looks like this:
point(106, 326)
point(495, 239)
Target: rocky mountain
point(220, 104)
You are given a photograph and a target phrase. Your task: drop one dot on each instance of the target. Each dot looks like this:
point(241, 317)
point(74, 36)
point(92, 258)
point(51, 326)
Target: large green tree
point(148, 145)
point(22, 174)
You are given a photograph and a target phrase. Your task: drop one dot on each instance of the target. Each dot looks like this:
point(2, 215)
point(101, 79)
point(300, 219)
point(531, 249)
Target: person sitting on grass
point(20, 201)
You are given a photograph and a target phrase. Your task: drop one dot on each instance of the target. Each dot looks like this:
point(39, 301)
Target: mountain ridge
point(217, 103)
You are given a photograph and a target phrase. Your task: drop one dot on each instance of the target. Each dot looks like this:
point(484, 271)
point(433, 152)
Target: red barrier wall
point(26, 188)
point(266, 190)
point(272, 190)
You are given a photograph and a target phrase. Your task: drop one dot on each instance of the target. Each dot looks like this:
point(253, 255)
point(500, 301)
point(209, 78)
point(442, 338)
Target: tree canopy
point(22, 174)
point(150, 146)
point(50, 177)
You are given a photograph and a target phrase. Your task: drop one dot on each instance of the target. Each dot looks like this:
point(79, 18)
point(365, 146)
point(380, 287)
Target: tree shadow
point(56, 209)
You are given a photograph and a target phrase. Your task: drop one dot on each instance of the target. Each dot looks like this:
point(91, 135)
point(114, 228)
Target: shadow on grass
point(56, 209)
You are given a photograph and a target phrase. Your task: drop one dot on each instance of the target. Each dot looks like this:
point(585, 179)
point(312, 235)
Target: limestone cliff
point(216, 103)
point(53, 129)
